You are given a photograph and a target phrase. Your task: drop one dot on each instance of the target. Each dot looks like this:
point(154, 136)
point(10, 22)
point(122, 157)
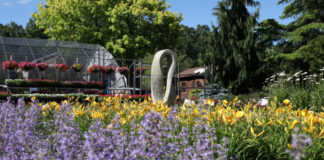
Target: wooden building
point(192, 78)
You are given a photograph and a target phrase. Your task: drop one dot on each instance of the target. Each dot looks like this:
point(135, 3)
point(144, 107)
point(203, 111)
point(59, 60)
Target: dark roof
point(190, 72)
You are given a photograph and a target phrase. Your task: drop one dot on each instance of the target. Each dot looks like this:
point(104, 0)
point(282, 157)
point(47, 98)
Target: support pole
point(134, 77)
point(205, 81)
point(141, 65)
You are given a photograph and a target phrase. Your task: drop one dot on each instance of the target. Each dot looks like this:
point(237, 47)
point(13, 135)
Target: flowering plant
point(77, 67)
point(138, 70)
point(62, 67)
point(42, 66)
point(11, 65)
point(123, 69)
point(108, 69)
point(26, 66)
point(94, 69)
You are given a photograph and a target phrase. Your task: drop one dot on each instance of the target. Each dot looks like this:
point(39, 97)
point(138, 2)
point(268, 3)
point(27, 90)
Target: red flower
point(42, 66)
point(11, 65)
point(62, 67)
point(138, 70)
point(77, 67)
point(94, 69)
point(108, 69)
point(123, 70)
point(26, 66)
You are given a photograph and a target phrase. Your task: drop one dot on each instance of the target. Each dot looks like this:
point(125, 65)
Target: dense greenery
point(127, 28)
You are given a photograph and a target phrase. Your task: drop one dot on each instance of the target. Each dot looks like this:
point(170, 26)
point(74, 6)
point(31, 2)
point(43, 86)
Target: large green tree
point(302, 33)
point(32, 31)
point(192, 44)
point(12, 30)
point(234, 45)
point(127, 28)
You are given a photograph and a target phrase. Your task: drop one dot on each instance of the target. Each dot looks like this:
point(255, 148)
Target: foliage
point(214, 91)
point(304, 35)
point(30, 31)
point(192, 46)
point(234, 49)
point(127, 28)
point(306, 90)
point(194, 93)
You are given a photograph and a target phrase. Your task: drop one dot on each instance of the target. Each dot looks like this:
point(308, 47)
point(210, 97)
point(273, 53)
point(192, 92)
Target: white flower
point(289, 79)
point(297, 79)
point(188, 102)
point(304, 73)
point(281, 74)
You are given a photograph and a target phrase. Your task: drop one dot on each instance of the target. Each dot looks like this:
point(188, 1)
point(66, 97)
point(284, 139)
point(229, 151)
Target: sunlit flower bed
point(118, 129)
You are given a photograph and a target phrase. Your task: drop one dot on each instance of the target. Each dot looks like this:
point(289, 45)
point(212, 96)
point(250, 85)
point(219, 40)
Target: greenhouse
point(58, 59)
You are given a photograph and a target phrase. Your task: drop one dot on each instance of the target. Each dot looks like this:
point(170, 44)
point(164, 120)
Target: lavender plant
point(298, 146)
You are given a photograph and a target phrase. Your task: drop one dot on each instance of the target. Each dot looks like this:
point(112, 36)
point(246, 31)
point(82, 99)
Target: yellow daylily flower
point(122, 120)
point(294, 124)
point(225, 102)
point(252, 131)
point(88, 99)
point(210, 102)
point(239, 114)
point(280, 122)
point(286, 102)
point(260, 134)
point(33, 98)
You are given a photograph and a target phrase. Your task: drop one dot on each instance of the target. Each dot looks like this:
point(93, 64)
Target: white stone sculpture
point(169, 96)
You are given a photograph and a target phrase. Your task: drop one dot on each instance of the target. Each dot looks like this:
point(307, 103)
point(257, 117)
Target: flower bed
point(132, 130)
point(53, 83)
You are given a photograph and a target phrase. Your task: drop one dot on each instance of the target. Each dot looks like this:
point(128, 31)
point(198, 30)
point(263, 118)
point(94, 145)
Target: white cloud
point(6, 4)
point(24, 1)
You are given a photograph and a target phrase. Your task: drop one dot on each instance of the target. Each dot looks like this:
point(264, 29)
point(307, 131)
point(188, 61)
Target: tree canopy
point(233, 47)
point(127, 28)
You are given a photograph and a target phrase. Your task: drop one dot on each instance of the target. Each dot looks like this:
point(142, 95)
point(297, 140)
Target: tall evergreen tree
point(234, 40)
point(307, 26)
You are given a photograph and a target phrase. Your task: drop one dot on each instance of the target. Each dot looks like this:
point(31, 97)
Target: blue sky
point(194, 11)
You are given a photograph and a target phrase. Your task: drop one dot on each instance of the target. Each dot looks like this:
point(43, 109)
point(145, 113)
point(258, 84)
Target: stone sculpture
point(157, 90)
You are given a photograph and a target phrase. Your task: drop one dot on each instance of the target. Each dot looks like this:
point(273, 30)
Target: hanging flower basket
point(123, 70)
point(42, 66)
point(77, 67)
point(62, 67)
point(26, 66)
point(108, 69)
point(11, 65)
point(94, 69)
point(138, 70)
